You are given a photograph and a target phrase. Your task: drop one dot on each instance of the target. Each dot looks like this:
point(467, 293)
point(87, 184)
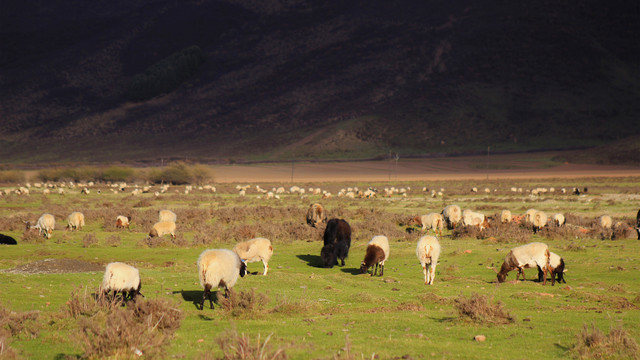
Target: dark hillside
point(316, 79)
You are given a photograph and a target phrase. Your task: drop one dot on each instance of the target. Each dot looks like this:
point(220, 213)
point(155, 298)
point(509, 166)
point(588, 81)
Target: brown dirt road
point(512, 166)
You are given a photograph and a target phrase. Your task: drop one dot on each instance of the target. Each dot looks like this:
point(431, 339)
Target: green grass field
point(317, 313)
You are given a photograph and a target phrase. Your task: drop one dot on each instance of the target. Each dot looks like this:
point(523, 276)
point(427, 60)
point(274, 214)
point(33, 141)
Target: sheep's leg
point(432, 271)
point(266, 267)
point(381, 269)
point(424, 271)
point(206, 294)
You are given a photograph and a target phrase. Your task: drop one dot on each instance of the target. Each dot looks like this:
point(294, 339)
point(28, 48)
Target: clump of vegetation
point(243, 302)
point(11, 177)
point(143, 327)
point(479, 309)
point(179, 173)
point(593, 344)
point(14, 323)
point(32, 236)
point(241, 347)
point(89, 240)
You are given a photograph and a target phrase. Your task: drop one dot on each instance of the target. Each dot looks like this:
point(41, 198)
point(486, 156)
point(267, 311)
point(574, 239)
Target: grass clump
point(241, 347)
point(243, 302)
point(479, 309)
point(594, 344)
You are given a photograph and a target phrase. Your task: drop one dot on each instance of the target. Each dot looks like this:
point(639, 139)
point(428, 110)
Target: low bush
point(593, 344)
point(243, 302)
point(241, 347)
point(479, 309)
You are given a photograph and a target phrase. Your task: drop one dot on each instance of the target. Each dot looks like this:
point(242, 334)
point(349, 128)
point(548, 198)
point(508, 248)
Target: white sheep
point(452, 215)
point(162, 228)
point(605, 221)
point(216, 268)
point(167, 215)
point(472, 218)
point(121, 278)
point(505, 216)
point(433, 221)
point(75, 221)
point(45, 225)
point(528, 216)
point(539, 220)
point(258, 249)
point(526, 256)
point(123, 221)
point(428, 252)
point(376, 254)
point(558, 219)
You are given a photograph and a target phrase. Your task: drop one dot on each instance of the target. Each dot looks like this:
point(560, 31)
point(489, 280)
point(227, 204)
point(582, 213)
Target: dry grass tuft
point(89, 240)
point(14, 324)
point(243, 302)
point(593, 344)
point(241, 347)
point(479, 309)
point(32, 236)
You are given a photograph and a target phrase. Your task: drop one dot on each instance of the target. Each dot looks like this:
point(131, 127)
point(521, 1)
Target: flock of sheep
point(222, 267)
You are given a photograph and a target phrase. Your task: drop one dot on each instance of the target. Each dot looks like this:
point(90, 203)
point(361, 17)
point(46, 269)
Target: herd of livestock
point(222, 267)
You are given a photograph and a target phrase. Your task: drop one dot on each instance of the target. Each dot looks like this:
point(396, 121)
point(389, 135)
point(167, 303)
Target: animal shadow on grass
point(312, 260)
point(195, 297)
point(353, 271)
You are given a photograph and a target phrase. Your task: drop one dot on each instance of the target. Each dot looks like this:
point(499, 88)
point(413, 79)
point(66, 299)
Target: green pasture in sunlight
point(315, 313)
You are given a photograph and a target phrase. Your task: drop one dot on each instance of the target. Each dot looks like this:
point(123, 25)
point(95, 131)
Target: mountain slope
point(314, 79)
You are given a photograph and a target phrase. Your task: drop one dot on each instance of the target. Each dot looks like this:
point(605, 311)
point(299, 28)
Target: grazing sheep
point(433, 221)
point(316, 215)
point(525, 256)
point(605, 221)
point(123, 221)
point(219, 268)
point(539, 220)
point(162, 228)
point(377, 253)
point(45, 225)
point(638, 224)
point(121, 278)
point(505, 216)
point(558, 219)
point(472, 218)
point(556, 265)
point(75, 221)
point(167, 215)
point(528, 216)
point(258, 249)
point(337, 241)
point(452, 215)
point(7, 240)
point(428, 252)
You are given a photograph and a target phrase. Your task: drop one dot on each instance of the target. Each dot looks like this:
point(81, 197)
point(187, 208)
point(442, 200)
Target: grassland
point(312, 312)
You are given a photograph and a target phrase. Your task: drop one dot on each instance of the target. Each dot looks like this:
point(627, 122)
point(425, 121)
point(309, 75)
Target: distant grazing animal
point(605, 221)
point(433, 221)
point(428, 253)
point(558, 219)
point(75, 221)
point(556, 264)
point(258, 249)
point(123, 221)
point(505, 216)
point(167, 215)
point(452, 215)
point(539, 220)
point(316, 215)
point(219, 268)
point(376, 254)
point(45, 225)
point(121, 278)
point(162, 228)
point(638, 224)
point(7, 240)
point(337, 241)
point(472, 218)
point(526, 256)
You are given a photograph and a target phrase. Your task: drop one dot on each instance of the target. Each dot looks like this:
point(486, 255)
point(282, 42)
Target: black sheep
point(7, 240)
point(337, 241)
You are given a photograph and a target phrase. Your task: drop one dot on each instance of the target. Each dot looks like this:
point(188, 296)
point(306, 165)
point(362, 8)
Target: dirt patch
point(56, 266)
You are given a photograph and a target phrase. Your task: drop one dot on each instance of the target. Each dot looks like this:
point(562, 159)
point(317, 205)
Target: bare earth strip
point(457, 168)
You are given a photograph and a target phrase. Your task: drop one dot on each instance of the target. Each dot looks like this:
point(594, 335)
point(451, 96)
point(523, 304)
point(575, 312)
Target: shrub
point(241, 347)
point(89, 240)
point(479, 309)
point(11, 177)
point(117, 173)
point(242, 302)
point(593, 344)
point(32, 236)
